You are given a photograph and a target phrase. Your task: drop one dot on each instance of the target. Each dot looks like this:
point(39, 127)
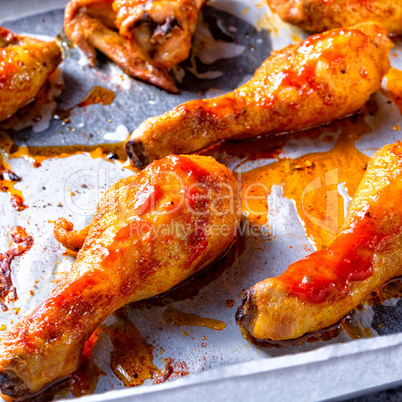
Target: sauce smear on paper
point(8, 179)
point(132, 357)
point(22, 243)
point(311, 181)
point(85, 378)
point(178, 318)
point(97, 95)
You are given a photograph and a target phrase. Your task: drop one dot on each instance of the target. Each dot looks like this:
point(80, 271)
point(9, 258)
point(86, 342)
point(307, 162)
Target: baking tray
point(223, 365)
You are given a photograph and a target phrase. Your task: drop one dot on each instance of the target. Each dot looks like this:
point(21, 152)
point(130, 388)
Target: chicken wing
point(304, 85)
point(319, 290)
point(90, 25)
point(163, 29)
point(150, 232)
point(25, 66)
point(321, 15)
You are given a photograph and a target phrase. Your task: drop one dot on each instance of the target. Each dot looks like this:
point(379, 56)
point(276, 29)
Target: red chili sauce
point(327, 273)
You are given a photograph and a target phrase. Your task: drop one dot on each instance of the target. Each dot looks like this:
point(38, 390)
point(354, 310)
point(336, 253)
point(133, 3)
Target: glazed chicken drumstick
point(319, 290)
point(304, 85)
point(150, 232)
point(25, 66)
point(321, 15)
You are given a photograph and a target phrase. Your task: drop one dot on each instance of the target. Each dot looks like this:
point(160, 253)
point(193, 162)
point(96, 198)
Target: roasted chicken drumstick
point(319, 290)
point(150, 232)
point(25, 66)
point(321, 15)
point(307, 84)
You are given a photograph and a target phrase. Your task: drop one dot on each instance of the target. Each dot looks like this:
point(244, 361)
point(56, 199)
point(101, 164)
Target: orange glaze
point(326, 273)
point(22, 243)
point(146, 199)
point(311, 181)
point(97, 95)
point(196, 199)
point(394, 87)
point(321, 275)
point(178, 318)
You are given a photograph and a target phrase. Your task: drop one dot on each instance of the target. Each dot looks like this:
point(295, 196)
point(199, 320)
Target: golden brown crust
point(321, 15)
point(271, 311)
point(150, 232)
point(304, 85)
point(26, 64)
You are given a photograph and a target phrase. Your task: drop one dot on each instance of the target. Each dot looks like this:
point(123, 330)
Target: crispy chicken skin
point(307, 84)
point(319, 290)
point(162, 29)
point(321, 15)
point(150, 232)
point(25, 66)
point(90, 25)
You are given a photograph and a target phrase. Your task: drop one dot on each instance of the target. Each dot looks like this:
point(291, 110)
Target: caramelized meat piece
point(91, 25)
point(25, 66)
point(304, 85)
point(162, 29)
point(319, 290)
point(150, 232)
point(321, 15)
point(66, 235)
